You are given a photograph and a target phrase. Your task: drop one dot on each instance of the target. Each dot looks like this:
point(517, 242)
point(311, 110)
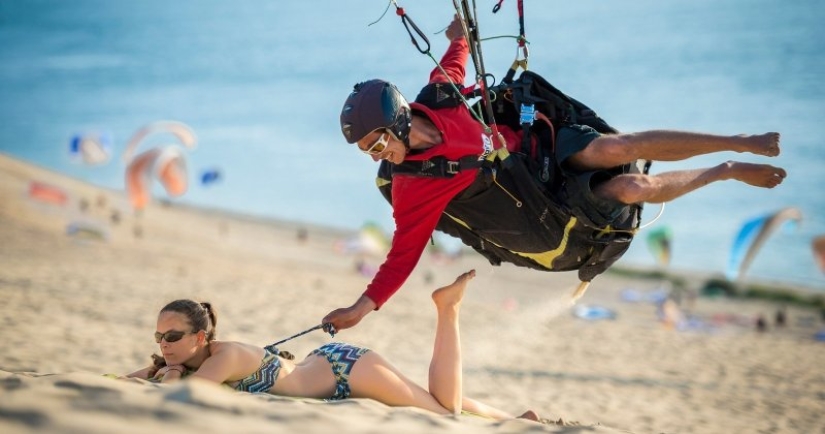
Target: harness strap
point(438, 167)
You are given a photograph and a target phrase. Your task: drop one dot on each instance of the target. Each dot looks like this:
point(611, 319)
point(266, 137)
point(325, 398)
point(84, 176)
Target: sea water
point(262, 84)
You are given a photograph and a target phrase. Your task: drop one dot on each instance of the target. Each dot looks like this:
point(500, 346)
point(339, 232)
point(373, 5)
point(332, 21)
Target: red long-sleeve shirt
point(418, 202)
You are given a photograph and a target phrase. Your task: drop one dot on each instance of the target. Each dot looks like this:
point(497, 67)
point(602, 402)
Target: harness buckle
point(527, 114)
point(453, 167)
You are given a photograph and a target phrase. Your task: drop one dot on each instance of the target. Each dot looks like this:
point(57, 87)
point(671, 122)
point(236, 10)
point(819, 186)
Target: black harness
point(437, 167)
point(517, 209)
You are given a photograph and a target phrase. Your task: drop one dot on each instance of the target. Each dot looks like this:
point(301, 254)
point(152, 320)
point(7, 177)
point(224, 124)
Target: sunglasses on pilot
point(379, 145)
point(170, 336)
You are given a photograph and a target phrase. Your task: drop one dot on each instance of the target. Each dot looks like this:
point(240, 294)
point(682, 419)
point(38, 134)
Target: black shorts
point(577, 188)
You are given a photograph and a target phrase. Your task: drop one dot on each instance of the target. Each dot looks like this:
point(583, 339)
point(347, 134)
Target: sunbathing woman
point(335, 371)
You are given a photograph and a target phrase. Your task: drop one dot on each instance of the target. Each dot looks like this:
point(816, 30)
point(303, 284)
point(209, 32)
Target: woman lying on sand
point(334, 371)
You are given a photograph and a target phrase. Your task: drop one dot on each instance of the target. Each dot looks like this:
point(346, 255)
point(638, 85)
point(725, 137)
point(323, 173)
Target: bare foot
point(764, 144)
point(530, 415)
point(451, 295)
point(758, 175)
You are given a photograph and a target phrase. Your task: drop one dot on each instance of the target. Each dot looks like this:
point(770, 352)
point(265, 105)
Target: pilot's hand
point(454, 30)
point(347, 317)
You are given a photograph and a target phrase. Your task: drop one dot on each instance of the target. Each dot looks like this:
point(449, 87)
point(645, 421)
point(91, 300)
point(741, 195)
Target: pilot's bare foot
point(764, 144)
point(758, 175)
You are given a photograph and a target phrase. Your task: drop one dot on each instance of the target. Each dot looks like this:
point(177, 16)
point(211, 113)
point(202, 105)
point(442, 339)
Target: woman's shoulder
point(233, 347)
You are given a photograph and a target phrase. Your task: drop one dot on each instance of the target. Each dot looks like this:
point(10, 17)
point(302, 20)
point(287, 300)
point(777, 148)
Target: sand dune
point(81, 282)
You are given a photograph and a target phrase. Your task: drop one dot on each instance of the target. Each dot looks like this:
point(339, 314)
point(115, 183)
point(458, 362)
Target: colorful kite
point(753, 235)
point(166, 164)
point(659, 242)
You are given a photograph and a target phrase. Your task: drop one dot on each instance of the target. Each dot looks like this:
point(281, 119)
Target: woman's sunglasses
point(170, 336)
point(379, 145)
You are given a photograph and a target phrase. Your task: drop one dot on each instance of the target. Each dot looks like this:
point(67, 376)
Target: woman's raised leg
point(375, 378)
point(445, 366)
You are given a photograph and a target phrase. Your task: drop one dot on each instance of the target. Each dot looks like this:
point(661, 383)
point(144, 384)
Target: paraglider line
point(385, 12)
point(490, 38)
point(326, 327)
point(659, 214)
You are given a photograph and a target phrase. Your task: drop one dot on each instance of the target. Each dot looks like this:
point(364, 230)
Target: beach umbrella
point(753, 234)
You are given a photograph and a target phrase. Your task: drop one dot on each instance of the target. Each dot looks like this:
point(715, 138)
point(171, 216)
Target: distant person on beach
point(593, 180)
point(186, 334)
point(761, 323)
point(781, 316)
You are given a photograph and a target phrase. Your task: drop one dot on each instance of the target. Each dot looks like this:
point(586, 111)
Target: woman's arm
point(165, 374)
point(170, 373)
point(143, 374)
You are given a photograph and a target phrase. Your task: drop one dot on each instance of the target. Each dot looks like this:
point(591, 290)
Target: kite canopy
point(166, 163)
point(370, 240)
point(753, 235)
point(210, 176)
point(51, 194)
point(659, 243)
point(91, 148)
point(180, 130)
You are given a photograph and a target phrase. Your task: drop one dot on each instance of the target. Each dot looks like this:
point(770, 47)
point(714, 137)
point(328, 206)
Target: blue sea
point(262, 84)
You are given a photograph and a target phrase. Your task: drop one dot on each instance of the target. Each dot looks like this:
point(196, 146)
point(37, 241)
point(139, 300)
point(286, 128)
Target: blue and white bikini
point(262, 380)
point(341, 356)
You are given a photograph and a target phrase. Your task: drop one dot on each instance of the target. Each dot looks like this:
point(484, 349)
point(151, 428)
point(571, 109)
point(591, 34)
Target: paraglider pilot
point(379, 121)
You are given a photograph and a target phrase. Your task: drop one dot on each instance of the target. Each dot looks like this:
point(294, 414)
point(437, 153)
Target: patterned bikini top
point(262, 380)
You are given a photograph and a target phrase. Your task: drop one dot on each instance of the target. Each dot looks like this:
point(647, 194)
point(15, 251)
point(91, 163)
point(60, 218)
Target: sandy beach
point(82, 279)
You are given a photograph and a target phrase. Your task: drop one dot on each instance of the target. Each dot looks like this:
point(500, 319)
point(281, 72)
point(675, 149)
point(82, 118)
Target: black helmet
point(372, 105)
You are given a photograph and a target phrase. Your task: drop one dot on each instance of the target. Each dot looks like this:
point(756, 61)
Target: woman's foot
point(450, 296)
